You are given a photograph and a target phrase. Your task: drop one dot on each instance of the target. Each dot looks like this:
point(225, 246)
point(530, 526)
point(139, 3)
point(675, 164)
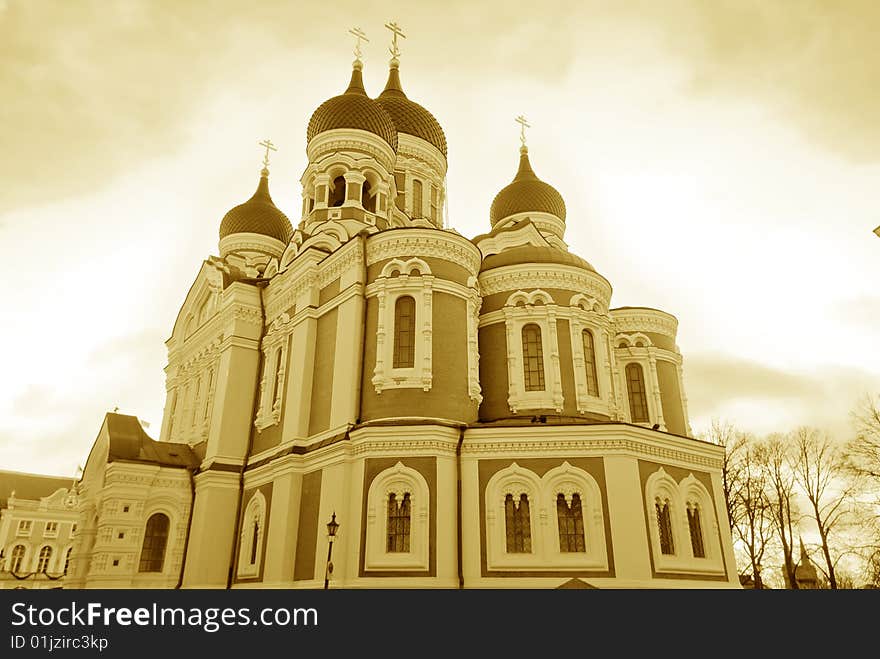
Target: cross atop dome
point(267, 143)
point(396, 31)
point(523, 124)
point(359, 35)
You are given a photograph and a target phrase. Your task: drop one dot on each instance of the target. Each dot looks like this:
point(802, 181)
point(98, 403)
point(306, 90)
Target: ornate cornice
point(513, 278)
point(592, 447)
point(432, 243)
point(339, 140)
point(644, 320)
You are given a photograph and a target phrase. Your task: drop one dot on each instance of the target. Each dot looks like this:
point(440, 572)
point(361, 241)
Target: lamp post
point(332, 527)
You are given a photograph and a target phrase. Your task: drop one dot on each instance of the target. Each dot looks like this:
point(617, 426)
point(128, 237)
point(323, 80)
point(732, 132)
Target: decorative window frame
point(474, 302)
point(274, 379)
point(53, 533)
point(397, 280)
point(644, 358)
point(520, 310)
point(255, 512)
point(683, 561)
point(25, 557)
point(584, 315)
point(398, 480)
point(568, 480)
point(23, 530)
point(546, 553)
point(170, 544)
point(515, 481)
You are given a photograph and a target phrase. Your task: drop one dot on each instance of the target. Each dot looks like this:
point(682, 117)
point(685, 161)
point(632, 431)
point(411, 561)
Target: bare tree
point(820, 470)
point(864, 450)
point(724, 433)
point(752, 504)
point(780, 492)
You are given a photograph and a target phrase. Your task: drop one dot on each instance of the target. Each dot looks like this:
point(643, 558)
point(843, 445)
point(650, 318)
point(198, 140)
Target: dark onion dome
point(532, 254)
point(353, 109)
point(526, 193)
point(258, 215)
point(409, 117)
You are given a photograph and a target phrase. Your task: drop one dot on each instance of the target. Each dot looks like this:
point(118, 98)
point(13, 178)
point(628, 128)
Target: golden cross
point(523, 124)
point(360, 36)
point(395, 32)
point(268, 144)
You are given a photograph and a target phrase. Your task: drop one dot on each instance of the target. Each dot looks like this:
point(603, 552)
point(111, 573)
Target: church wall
point(329, 291)
point(440, 268)
point(307, 533)
point(646, 469)
point(566, 367)
point(496, 301)
point(661, 341)
point(213, 528)
point(266, 490)
point(280, 556)
point(540, 466)
point(493, 372)
point(448, 397)
point(322, 383)
point(427, 467)
point(670, 396)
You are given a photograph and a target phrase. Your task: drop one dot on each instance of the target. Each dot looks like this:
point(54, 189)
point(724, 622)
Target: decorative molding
point(644, 320)
point(530, 276)
point(424, 243)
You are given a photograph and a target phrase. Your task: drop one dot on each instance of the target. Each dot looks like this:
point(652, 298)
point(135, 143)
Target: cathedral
point(369, 399)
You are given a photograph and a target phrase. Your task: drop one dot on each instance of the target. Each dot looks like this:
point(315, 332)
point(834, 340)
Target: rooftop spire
point(396, 31)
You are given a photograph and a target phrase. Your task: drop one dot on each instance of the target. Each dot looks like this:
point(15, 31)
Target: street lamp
point(332, 527)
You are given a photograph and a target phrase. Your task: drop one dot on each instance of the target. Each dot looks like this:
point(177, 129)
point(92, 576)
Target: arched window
point(518, 524)
point(17, 558)
point(337, 192)
point(398, 523)
point(206, 405)
point(533, 358)
point(45, 557)
point(253, 530)
point(635, 386)
point(404, 332)
point(571, 523)
point(590, 363)
point(155, 540)
point(664, 523)
point(67, 559)
point(368, 200)
point(417, 211)
point(696, 530)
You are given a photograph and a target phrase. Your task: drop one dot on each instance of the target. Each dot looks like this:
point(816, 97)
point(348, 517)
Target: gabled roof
point(30, 486)
point(130, 443)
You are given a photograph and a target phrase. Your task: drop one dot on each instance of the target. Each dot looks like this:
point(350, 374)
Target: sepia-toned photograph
point(439, 295)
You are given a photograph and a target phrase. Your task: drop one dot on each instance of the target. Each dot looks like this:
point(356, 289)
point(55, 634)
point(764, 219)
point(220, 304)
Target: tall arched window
point(590, 363)
point(518, 524)
point(404, 332)
point(696, 530)
point(571, 523)
point(533, 358)
point(16, 559)
point(45, 557)
point(255, 541)
point(368, 200)
point(337, 192)
point(664, 523)
point(399, 515)
point(155, 540)
point(67, 559)
point(417, 211)
point(635, 386)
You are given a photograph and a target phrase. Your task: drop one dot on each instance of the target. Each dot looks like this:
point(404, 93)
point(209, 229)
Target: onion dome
point(258, 215)
point(532, 254)
point(526, 193)
point(409, 117)
point(353, 109)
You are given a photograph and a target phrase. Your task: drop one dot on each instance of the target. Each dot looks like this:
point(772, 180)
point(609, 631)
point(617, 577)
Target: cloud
point(815, 63)
point(763, 399)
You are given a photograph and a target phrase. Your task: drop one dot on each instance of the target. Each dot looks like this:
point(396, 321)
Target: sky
point(719, 160)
